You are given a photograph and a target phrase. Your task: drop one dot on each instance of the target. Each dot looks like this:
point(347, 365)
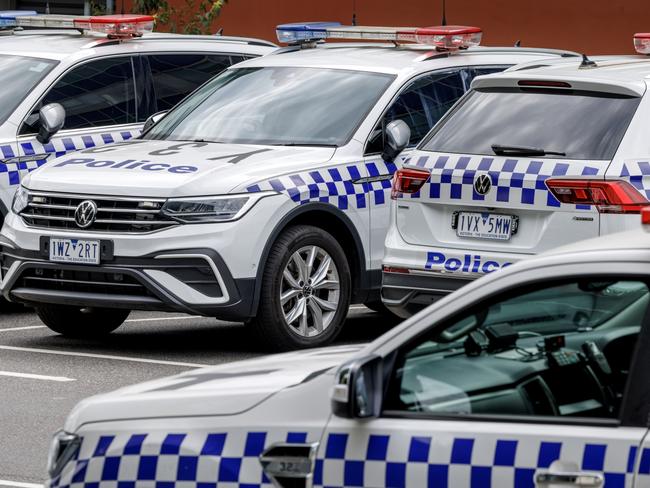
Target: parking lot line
point(20, 484)
point(23, 328)
point(104, 356)
point(35, 376)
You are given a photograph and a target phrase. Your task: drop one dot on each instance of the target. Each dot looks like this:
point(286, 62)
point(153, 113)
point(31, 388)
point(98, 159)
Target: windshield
point(534, 122)
point(276, 106)
point(18, 77)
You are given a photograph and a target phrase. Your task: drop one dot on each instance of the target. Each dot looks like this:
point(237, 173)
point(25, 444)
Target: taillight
point(645, 216)
point(408, 180)
point(607, 196)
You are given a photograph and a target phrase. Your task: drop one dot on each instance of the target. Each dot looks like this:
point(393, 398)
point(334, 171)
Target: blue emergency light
point(303, 31)
point(8, 17)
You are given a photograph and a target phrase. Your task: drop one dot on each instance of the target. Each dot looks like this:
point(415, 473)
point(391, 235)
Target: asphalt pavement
point(43, 375)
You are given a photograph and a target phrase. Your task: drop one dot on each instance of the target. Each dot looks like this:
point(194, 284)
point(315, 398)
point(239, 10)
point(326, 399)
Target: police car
point(108, 74)
point(263, 195)
point(536, 375)
point(531, 159)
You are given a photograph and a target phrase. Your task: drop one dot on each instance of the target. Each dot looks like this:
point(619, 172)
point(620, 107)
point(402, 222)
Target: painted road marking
point(35, 376)
point(23, 328)
point(20, 484)
point(104, 356)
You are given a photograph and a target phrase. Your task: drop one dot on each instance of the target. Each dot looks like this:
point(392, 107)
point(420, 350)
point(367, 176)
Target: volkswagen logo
point(482, 184)
point(85, 213)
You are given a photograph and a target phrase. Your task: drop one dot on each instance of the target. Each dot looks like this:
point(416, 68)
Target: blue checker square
point(187, 466)
point(214, 445)
point(395, 475)
point(419, 449)
point(353, 473)
point(93, 484)
point(80, 471)
point(165, 484)
point(504, 453)
point(134, 444)
point(644, 465)
point(438, 475)
point(461, 451)
point(524, 478)
point(297, 437)
point(631, 459)
point(103, 444)
point(594, 457)
point(377, 447)
point(147, 468)
point(318, 472)
point(528, 195)
point(254, 443)
point(111, 468)
point(481, 476)
point(548, 452)
point(229, 469)
point(336, 444)
point(172, 444)
point(126, 484)
point(614, 480)
point(203, 485)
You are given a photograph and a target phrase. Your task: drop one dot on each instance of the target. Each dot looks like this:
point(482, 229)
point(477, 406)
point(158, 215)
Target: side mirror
point(51, 118)
point(358, 389)
point(397, 136)
point(152, 120)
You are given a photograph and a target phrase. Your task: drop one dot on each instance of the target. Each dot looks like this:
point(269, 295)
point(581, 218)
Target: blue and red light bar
point(114, 26)
point(448, 37)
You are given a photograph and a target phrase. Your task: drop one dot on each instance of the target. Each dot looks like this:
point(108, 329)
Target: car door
point(467, 413)
point(421, 103)
point(99, 97)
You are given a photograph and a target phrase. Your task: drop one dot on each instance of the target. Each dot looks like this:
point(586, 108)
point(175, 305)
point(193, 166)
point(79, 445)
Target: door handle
point(552, 479)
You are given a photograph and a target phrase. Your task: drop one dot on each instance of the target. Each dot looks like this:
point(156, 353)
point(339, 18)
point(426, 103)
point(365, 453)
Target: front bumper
point(195, 281)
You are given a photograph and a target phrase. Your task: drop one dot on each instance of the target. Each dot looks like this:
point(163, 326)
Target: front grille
point(91, 281)
point(114, 214)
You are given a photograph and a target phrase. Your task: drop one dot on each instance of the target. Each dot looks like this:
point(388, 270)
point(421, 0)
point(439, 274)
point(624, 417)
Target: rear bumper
point(195, 281)
point(405, 294)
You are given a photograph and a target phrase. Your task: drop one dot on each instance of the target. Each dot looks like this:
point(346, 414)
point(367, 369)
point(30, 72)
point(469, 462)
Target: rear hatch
point(494, 157)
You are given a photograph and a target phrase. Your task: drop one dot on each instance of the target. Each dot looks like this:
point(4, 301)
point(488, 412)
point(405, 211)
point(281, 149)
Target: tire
point(290, 325)
point(80, 322)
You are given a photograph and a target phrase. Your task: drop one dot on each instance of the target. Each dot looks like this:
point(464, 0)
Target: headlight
point(212, 209)
point(21, 200)
point(63, 449)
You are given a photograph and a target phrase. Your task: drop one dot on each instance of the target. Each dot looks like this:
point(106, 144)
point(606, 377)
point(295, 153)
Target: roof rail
point(499, 50)
point(217, 38)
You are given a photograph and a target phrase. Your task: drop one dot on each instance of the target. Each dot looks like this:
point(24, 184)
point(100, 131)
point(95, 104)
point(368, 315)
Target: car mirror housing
point(51, 118)
point(357, 390)
point(397, 137)
point(152, 120)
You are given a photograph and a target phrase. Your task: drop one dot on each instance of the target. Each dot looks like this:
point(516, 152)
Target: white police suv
point(534, 376)
point(107, 73)
point(263, 195)
point(531, 159)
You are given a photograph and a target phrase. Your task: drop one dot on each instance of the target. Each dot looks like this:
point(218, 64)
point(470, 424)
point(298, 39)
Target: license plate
point(78, 251)
point(481, 225)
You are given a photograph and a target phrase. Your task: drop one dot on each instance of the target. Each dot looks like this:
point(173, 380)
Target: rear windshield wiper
point(501, 150)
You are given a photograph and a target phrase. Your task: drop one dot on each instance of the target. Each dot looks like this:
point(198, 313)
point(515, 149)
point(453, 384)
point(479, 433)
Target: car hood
point(227, 389)
point(170, 168)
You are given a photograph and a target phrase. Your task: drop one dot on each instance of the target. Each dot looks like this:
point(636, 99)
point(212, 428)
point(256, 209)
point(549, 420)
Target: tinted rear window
point(583, 125)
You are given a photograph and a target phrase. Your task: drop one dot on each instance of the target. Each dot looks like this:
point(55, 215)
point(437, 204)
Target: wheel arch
point(335, 222)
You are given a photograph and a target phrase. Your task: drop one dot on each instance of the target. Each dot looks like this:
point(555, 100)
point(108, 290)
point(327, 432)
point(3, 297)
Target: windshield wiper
point(501, 150)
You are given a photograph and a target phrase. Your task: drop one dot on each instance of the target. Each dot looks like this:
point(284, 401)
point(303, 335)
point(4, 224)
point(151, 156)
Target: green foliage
point(191, 18)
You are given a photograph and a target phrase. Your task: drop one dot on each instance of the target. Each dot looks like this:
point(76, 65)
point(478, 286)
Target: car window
point(95, 94)
point(276, 106)
point(174, 76)
point(424, 101)
point(19, 76)
point(568, 123)
point(485, 371)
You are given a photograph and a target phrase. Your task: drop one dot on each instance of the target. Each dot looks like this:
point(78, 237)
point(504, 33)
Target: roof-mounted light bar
point(113, 26)
point(447, 38)
point(642, 42)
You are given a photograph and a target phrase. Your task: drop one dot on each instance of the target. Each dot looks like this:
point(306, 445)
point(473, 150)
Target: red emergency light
point(116, 26)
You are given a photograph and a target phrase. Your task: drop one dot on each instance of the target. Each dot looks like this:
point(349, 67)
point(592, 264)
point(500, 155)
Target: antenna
point(444, 12)
point(587, 63)
point(354, 12)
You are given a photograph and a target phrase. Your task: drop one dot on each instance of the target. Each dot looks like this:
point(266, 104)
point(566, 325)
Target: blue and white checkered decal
point(638, 174)
point(335, 185)
point(519, 182)
point(173, 460)
point(458, 462)
point(56, 147)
